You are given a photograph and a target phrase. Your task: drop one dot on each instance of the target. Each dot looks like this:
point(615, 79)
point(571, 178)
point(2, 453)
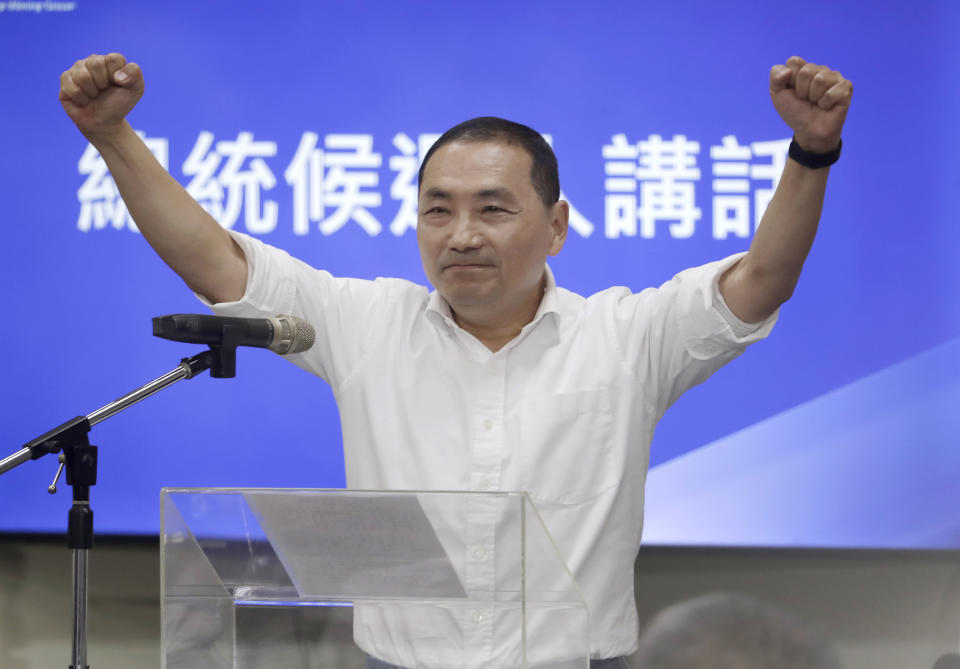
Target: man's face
point(483, 231)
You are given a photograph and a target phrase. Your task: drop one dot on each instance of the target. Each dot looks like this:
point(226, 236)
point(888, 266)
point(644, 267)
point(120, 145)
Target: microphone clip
point(220, 359)
point(223, 356)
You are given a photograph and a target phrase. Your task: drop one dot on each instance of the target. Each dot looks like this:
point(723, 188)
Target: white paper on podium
point(357, 546)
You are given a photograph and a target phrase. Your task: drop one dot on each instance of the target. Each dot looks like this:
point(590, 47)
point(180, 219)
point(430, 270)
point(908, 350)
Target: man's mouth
point(465, 265)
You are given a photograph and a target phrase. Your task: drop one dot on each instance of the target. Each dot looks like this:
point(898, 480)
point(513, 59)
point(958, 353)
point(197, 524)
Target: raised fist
point(813, 100)
point(99, 91)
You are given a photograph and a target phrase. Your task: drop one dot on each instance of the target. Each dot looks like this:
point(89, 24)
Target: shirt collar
point(438, 311)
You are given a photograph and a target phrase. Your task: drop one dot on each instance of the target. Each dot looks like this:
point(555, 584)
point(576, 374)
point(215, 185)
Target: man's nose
point(466, 234)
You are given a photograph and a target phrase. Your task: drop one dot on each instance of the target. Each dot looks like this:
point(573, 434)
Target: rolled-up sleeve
point(707, 325)
point(679, 334)
point(343, 312)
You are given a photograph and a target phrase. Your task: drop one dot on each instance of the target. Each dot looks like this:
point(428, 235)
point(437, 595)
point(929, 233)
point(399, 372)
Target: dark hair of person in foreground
point(731, 631)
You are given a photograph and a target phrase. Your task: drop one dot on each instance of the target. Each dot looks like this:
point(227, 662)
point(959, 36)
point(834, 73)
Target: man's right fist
point(99, 91)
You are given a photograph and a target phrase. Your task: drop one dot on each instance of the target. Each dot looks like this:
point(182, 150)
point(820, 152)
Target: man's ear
point(559, 218)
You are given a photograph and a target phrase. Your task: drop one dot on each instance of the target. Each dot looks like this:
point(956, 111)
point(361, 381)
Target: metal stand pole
point(79, 654)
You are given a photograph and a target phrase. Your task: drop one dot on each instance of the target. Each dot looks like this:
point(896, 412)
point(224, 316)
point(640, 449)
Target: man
point(498, 380)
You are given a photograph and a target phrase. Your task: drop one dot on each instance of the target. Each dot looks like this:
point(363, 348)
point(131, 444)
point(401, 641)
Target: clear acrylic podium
point(433, 580)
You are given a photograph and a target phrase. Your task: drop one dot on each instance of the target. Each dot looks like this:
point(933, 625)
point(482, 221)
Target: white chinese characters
point(342, 181)
point(663, 174)
point(238, 184)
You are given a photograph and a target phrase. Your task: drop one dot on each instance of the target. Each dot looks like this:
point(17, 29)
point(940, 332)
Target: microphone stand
point(80, 460)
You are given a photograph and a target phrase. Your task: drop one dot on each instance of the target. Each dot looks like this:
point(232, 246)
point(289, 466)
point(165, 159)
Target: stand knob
point(52, 488)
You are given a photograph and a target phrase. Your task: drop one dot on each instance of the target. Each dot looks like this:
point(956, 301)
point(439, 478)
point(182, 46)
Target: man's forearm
point(765, 278)
point(185, 236)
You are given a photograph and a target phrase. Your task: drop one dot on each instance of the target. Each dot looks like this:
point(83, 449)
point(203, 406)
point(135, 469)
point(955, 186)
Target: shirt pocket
point(565, 449)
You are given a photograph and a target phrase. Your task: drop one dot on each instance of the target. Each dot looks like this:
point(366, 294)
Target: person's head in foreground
point(731, 631)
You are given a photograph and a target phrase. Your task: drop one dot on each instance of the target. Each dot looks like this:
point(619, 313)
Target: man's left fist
point(813, 100)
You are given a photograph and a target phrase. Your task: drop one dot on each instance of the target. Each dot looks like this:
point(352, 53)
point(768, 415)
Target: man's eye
point(494, 208)
point(435, 210)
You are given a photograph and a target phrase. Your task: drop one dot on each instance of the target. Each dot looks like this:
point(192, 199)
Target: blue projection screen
point(303, 124)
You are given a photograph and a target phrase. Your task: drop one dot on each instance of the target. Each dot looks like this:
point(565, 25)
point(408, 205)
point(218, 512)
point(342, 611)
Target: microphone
point(281, 334)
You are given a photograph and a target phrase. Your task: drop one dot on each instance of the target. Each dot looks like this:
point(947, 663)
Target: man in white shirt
point(498, 380)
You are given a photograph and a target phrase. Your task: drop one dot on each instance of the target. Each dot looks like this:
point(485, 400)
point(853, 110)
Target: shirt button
point(478, 552)
point(487, 425)
point(484, 485)
point(477, 617)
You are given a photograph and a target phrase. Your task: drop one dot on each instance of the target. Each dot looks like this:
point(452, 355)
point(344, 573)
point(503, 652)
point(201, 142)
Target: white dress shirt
point(565, 411)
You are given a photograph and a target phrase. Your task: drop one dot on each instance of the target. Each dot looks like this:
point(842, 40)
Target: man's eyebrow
point(436, 193)
point(488, 193)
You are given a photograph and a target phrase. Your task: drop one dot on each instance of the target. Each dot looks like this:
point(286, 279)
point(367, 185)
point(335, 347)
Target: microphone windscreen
point(294, 335)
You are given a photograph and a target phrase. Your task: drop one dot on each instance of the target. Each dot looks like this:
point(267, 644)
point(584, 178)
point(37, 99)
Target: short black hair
point(544, 173)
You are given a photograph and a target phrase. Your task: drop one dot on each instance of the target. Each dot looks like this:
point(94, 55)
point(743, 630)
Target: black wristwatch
point(811, 159)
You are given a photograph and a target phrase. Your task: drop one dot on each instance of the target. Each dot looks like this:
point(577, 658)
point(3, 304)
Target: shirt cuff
point(710, 328)
point(740, 328)
point(742, 331)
